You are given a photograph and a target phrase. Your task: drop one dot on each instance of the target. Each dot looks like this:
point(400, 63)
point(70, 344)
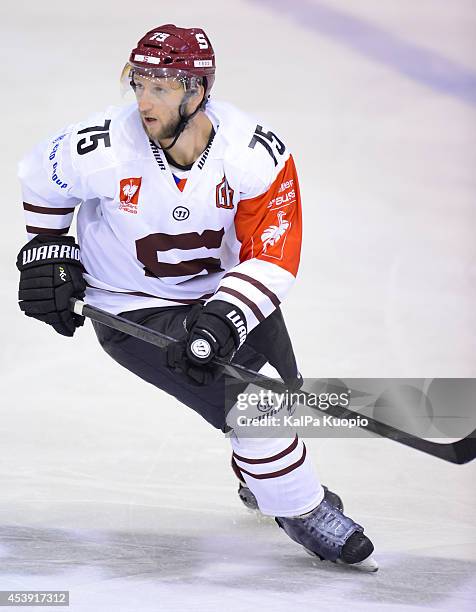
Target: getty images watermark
point(423, 407)
point(274, 409)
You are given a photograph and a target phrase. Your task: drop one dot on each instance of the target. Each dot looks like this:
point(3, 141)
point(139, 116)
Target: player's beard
point(166, 132)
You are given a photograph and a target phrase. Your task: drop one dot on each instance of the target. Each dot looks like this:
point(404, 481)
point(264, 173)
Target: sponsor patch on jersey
point(129, 194)
point(180, 213)
point(224, 194)
point(54, 168)
point(274, 237)
point(286, 198)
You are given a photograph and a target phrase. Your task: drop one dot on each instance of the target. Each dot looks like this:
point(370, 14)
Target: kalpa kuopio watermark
point(273, 409)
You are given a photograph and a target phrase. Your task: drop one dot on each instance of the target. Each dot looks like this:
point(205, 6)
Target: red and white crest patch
point(129, 194)
point(273, 237)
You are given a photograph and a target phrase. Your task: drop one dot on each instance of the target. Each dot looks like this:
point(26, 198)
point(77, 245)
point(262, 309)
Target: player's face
point(158, 101)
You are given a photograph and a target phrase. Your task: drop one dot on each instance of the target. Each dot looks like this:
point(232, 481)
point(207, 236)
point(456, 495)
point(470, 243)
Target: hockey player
point(189, 223)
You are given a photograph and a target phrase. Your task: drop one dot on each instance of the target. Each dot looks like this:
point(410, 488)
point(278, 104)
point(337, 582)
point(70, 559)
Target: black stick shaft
point(459, 452)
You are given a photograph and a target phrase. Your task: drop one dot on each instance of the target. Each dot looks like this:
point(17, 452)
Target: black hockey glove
point(216, 330)
point(51, 274)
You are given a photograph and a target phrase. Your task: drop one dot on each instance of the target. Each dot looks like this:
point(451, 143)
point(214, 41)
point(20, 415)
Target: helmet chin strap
point(184, 119)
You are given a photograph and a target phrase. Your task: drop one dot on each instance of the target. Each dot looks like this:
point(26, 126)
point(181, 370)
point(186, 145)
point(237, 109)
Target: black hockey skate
point(330, 535)
point(249, 500)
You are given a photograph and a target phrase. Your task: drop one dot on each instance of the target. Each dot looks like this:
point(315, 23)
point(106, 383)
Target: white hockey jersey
point(233, 233)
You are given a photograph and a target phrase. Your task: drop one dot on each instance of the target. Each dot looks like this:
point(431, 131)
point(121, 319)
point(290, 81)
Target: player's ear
point(196, 92)
point(197, 89)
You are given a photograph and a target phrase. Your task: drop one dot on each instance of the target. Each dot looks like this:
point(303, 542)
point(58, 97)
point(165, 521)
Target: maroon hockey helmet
point(172, 51)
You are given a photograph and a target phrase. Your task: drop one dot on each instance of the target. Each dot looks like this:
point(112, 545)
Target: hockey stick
point(459, 452)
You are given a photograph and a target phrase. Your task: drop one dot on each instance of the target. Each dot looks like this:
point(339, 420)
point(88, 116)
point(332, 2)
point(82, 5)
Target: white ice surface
point(112, 490)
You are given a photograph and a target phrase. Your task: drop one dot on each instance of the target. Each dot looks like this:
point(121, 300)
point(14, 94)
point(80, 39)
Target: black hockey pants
point(269, 341)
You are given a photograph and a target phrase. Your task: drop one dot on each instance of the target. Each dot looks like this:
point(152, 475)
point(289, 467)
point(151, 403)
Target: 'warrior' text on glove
point(51, 274)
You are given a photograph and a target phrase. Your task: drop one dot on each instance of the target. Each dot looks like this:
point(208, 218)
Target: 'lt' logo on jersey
point(224, 194)
point(129, 194)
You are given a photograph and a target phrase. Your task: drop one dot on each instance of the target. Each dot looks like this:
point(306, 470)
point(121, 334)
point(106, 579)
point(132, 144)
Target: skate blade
point(367, 565)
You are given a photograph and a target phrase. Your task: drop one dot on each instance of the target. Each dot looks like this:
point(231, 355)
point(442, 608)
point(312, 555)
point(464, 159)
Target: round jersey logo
point(201, 348)
point(180, 213)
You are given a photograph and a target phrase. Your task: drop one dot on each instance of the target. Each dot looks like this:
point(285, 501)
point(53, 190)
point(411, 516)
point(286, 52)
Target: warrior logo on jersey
point(129, 194)
point(273, 234)
point(180, 213)
point(224, 194)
